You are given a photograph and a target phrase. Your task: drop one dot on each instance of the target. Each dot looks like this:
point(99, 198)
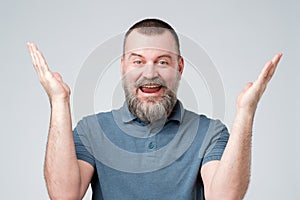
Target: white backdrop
point(239, 37)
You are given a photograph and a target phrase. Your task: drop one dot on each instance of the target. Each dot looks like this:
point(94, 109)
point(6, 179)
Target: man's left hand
point(252, 92)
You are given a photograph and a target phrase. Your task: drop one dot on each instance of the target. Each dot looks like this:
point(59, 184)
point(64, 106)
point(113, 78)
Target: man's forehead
point(150, 52)
point(138, 41)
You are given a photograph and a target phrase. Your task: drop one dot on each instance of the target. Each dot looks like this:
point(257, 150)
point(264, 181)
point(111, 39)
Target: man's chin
point(151, 101)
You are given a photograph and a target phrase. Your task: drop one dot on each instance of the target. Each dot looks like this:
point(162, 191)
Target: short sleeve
point(83, 151)
point(217, 138)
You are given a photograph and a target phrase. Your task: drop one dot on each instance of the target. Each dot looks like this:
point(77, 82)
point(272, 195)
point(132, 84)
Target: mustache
point(153, 81)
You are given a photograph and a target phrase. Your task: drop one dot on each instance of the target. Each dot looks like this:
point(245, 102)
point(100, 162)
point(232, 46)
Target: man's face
point(151, 70)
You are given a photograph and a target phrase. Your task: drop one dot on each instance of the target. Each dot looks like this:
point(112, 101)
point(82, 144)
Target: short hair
point(152, 27)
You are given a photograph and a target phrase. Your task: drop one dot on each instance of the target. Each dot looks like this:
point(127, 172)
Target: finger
point(273, 67)
point(34, 59)
point(31, 51)
point(275, 62)
point(269, 69)
point(264, 73)
point(37, 65)
point(58, 76)
point(267, 73)
point(262, 81)
point(40, 62)
point(247, 86)
point(276, 58)
point(35, 54)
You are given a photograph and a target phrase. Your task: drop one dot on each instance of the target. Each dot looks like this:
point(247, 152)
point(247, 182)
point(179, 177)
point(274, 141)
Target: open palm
point(252, 92)
point(51, 81)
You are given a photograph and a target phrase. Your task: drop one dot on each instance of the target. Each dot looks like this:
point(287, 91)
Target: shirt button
point(151, 145)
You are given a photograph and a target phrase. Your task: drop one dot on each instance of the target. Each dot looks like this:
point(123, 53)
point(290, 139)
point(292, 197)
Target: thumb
point(247, 86)
point(58, 76)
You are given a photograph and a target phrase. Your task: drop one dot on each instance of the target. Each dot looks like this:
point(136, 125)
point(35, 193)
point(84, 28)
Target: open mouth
point(151, 88)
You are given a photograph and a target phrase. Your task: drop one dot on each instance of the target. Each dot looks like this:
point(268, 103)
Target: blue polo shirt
point(136, 160)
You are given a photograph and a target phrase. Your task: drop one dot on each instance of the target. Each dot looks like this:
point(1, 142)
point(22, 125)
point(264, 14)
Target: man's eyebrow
point(141, 56)
point(135, 54)
point(165, 55)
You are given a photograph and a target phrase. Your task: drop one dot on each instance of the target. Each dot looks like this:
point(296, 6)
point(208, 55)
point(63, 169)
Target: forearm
point(61, 170)
point(229, 178)
point(232, 176)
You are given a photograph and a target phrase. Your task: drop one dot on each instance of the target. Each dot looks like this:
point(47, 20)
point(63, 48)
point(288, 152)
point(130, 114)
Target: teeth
point(151, 86)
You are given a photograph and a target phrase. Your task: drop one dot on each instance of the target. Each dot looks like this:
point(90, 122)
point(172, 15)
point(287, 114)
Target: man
point(151, 148)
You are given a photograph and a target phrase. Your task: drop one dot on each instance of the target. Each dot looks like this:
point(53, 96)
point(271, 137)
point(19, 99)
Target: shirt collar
point(127, 116)
point(176, 114)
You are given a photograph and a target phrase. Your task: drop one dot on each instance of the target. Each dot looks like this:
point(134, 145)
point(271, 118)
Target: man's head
point(151, 68)
point(152, 27)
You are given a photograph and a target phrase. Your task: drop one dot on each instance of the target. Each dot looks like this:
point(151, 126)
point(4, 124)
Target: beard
point(152, 109)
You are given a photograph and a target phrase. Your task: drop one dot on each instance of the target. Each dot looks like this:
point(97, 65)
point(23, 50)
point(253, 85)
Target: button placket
point(150, 143)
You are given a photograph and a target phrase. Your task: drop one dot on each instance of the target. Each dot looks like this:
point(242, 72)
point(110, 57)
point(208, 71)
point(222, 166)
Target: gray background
point(238, 36)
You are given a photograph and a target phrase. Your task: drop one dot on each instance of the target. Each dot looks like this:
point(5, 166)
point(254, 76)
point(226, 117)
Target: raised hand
point(51, 81)
point(251, 94)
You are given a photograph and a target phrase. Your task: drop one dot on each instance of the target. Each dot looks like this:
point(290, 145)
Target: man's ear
point(181, 65)
point(122, 65)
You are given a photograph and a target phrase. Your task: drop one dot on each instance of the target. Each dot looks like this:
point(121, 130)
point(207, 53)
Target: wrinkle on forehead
point(151, 52)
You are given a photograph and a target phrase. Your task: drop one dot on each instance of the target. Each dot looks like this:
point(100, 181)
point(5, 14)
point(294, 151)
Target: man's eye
point(138, 62)
point(162, 62)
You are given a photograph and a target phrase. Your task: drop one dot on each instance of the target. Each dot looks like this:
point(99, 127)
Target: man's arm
point(229, 177)
point(66, 177)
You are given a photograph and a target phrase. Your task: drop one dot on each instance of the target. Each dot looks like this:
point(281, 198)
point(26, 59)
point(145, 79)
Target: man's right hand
point(66, 177)
point(52, 82)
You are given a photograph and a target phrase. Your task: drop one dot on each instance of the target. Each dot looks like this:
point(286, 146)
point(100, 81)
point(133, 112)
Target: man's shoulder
point(95, 117)
point(203, 118)
point(190, 113)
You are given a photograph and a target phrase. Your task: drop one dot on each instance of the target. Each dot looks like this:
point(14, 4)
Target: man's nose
point(150, 71)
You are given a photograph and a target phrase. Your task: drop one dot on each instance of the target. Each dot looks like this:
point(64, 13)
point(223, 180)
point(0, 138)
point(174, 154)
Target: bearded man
point(150, 148)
